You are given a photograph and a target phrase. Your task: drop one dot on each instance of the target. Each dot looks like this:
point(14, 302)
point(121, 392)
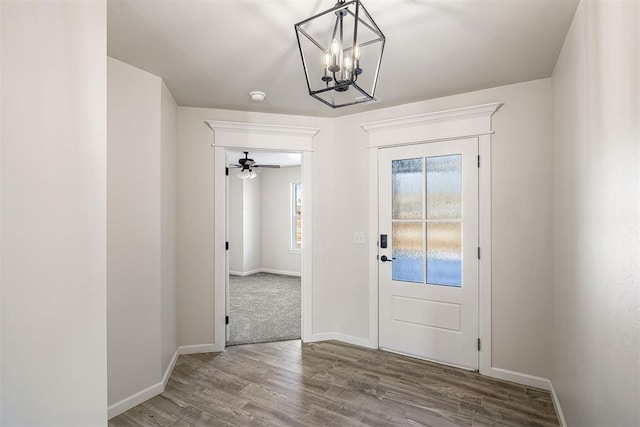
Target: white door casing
point(431, 127)
point(238, 135)
point(428, 291)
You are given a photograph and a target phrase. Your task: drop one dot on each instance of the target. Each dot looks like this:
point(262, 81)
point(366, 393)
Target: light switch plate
point(358, 238)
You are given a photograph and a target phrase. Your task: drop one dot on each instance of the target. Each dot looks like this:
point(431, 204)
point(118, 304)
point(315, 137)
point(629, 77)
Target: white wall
point(53, 174)
point(195, 225)
point(245, 211)
point(141, 230)
point(134, 215)
point(521, 217)
point(251, 213)
point(195, 231)
point(236, 224)
point(168, 184)
point(596, 330)
point(276, 220)
point(1, 276)
point(259, 223)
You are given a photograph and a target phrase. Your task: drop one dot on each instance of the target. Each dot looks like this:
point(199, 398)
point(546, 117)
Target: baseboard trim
point(349, 339)
point(264, 270)
point(200, 348)
point(283, 272)
point(154, 390)
point(245, 273)
point(556, 405)
point(520, 378)
point(134, 400)
point(169, 370)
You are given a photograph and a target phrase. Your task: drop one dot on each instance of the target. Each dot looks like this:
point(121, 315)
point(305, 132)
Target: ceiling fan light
point(252, 174)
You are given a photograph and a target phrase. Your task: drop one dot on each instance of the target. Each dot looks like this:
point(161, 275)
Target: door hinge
point(478, 160)
point(226, 320)
point(478, 252)
point(226, 171)
point(478, 344)
point(226, 246)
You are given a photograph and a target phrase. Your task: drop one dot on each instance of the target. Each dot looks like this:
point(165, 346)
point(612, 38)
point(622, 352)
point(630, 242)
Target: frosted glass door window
point(444, 187)
point(444, 220)
point(408, 251)
point(427, 220)
point(407, 220)
point(444, 247)
point(408, 188)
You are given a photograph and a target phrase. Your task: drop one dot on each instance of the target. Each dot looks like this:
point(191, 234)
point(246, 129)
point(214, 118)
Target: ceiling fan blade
point(235, 166)
point(266, 166)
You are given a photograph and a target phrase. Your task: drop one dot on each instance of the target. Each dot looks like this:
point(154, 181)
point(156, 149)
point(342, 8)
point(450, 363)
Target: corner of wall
point(596, 115)
point(1, 168)
point(168, 221)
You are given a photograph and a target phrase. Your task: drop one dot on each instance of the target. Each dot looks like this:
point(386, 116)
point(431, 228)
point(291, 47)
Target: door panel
point(429, 285)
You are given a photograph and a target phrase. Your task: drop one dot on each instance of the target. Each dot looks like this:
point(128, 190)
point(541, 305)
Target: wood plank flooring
point(333, 384)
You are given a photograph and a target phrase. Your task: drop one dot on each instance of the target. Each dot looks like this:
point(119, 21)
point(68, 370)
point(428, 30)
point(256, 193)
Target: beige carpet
point(263, 307)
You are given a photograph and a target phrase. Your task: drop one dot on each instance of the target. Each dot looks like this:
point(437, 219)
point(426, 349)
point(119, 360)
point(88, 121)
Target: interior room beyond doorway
point(264, 208)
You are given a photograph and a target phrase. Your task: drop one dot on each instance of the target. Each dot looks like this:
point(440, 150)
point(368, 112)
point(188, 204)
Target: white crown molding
point(261, 136)
point(441, 125)
point(243, 127)
point(421, 119)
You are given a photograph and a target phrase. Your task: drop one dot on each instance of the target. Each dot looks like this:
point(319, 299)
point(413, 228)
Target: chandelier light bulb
point(335, 47)
point(335, 51)
point(326, 59)
point(326, 62)
point(347, 67)
point(347, 62)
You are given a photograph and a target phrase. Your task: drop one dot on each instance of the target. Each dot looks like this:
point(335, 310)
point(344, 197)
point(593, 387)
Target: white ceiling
point(281, 158)
point(212, 53)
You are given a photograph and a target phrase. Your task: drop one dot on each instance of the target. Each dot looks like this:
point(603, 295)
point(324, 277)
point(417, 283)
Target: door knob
point(384, 258)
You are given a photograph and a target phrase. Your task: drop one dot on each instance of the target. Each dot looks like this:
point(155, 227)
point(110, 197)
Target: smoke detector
point(257, 96)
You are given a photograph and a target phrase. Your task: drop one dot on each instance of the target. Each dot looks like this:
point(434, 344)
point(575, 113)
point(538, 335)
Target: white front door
point(428, 271)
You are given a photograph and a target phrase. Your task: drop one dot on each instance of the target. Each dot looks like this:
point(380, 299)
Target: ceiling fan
point(247, 165)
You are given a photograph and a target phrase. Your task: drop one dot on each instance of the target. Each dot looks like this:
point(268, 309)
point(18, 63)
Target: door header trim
point(265, 136)
point(441, 125)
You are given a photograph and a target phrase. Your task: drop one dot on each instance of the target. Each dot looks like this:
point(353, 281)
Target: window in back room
point(296, 215)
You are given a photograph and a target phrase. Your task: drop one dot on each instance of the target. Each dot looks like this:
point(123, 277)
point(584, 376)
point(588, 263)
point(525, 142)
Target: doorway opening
point(264, 231)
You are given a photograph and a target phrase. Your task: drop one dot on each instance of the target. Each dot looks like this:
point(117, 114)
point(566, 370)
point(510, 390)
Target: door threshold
point(439, 362)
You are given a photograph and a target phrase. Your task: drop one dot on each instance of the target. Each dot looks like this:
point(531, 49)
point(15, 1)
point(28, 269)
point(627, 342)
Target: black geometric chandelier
point(341, 50)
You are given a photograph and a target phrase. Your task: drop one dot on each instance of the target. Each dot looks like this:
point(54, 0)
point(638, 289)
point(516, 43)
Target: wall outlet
point(358, 238)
